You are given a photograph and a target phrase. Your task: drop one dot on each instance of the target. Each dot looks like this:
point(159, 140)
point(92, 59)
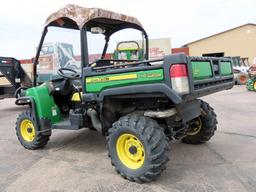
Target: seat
point(75, 97)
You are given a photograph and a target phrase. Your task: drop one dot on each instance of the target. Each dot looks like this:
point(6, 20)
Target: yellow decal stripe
point(123, 77)
point(111, 78)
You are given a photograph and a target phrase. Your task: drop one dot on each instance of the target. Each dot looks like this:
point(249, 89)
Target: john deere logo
point(97, 80)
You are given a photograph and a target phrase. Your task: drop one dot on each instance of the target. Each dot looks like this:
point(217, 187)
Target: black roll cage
point(84, 46)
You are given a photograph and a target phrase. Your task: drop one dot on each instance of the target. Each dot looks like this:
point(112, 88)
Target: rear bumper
point(210, 89)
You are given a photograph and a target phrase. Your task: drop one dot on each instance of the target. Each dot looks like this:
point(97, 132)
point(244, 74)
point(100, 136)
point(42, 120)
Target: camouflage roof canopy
point(76, 17)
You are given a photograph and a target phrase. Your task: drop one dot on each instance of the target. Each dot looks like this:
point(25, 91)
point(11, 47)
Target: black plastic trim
point(88, 71)
point(45, 126)
point(138, 89)
point(198, 82)
point(209, 90)
point(24, 101)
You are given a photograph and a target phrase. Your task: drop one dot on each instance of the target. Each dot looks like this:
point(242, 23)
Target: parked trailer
point(15, 76)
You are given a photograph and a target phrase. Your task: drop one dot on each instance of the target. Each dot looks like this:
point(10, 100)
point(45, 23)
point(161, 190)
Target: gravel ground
point(78, 161)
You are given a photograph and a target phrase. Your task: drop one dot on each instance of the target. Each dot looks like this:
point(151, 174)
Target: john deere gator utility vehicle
point(137, 105)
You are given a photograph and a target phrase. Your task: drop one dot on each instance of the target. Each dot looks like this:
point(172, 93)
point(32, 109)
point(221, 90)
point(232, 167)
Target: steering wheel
point(73, 75)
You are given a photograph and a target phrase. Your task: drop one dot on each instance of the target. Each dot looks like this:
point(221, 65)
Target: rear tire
point(27, 132)
point(208, 125)
point(138, 148)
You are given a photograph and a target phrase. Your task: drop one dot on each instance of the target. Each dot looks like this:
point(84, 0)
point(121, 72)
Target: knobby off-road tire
point(27, 133)
point(144, 141)
point(208, 126)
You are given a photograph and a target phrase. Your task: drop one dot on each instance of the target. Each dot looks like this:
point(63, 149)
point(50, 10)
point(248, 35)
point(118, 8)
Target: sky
point(21, 22)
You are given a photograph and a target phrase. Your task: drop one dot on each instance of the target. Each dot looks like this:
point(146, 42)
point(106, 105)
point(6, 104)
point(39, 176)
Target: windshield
point(126, 44)
point(61, 49)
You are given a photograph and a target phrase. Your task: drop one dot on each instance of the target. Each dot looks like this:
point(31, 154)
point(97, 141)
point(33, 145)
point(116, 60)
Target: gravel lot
point(78, 161)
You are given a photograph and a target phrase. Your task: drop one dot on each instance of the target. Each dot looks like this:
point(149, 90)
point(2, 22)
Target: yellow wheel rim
point(130, 151)
point(27, 130)
point(197, 126)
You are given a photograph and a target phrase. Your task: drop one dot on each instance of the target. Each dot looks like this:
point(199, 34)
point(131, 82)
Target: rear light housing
point(179, 78)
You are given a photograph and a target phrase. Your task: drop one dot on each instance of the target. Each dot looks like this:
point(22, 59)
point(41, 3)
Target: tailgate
point(209, 74)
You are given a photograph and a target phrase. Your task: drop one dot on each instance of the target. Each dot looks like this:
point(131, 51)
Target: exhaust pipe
point(161, 114)
point(95, 119)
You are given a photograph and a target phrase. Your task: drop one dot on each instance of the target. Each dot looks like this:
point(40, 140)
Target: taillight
point(179, 78)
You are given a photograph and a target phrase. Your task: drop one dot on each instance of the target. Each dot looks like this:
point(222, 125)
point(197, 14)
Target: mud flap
point(189, 110)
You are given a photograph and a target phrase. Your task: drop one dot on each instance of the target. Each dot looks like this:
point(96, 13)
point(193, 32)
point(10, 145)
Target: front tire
point(27, 133)
point(202, 128)
point(138, 148)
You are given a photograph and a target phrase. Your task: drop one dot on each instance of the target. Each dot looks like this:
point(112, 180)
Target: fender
point(41, 125)
point(29, 101)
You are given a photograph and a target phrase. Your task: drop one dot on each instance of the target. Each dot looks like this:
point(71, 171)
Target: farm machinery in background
point(244, 73)
point(240, 68)
point(129, 50)
point(251, 83)
point(53, 55)
point(13, 77)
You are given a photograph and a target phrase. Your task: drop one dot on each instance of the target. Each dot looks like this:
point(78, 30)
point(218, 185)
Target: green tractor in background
point(251, 82)
point(129, 50)
point(136, 104)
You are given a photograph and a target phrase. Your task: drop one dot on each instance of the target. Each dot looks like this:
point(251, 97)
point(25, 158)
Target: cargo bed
point(204, 75)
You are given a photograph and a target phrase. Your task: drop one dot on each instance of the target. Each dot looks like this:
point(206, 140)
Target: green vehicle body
point(99, 83)
point(44, 103)
point(47, 109)
point(225, 68)
point(202, 69)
